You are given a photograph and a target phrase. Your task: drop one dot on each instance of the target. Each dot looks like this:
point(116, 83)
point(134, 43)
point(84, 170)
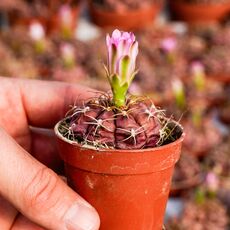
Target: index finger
point(47, 102)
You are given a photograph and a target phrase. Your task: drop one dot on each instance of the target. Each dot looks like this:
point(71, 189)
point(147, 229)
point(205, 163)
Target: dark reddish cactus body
point(117, 121)
point(100, 123)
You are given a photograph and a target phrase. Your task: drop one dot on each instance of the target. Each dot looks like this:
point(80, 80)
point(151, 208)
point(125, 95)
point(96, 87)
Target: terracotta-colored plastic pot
point(224, 78)
point(197, 13)
point(128, 20)
point(128, 188)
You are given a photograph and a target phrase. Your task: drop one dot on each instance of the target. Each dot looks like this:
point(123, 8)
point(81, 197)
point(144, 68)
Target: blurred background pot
point(65, 20)
point(127, 19)
point(221, 78)
point(187, 175)
point(199, 12)
point(128, 188)
point(55, 16)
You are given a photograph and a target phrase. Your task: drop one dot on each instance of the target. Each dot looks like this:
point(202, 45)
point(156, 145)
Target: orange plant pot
point(128, 20)
point(196, 13)
point(128, 188)
point(223, 78)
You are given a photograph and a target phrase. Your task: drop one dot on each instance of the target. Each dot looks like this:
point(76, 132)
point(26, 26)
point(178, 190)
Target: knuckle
point(38, 192)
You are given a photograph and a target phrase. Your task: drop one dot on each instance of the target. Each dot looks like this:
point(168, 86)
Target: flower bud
point(68, 55)
point(122, 53)
point(179, 93)
point(198, 74)
point(36, 31)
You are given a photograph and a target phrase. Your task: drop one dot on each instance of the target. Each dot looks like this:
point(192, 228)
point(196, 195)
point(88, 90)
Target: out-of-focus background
point(184, 67)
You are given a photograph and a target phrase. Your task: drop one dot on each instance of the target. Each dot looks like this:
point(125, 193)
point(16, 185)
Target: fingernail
point(81, 216)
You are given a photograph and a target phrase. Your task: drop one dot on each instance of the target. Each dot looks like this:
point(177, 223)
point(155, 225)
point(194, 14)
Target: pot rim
point(74, 143)
point(199, 4)
point(94, 7)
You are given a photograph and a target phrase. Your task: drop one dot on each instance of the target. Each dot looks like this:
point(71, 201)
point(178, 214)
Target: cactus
point(118, 120)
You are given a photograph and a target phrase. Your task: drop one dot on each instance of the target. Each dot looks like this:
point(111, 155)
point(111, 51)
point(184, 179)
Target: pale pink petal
point(65, 15)
point(197, 68)
point(108, 40)
point(116, 34)
point(169, 44)
point(36, 31)
point(125, 35)
point(124, 44)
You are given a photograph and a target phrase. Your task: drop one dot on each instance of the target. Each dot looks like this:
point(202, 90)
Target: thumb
point(38, 193)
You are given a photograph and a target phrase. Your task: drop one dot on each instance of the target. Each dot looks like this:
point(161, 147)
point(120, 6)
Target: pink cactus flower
point(169, 44)
point(212, 182)
point(197, 68)
point(179, 93)
point(68, 55)
point(122, 53)
point(177, 86)
point(67, 51)
point(198, 74)
point(36, 31)
point(65, 15)
point(122, 50)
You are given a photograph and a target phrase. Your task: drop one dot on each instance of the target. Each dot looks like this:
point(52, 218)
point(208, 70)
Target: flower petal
point(108, 41)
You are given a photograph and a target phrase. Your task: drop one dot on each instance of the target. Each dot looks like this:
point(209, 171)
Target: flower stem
point(119, 100)
point(119, 90)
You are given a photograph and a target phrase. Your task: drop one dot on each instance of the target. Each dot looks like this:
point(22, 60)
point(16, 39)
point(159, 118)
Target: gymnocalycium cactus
point(117, 120)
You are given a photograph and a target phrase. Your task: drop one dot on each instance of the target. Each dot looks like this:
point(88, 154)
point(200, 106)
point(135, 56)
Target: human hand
point(32, 195)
